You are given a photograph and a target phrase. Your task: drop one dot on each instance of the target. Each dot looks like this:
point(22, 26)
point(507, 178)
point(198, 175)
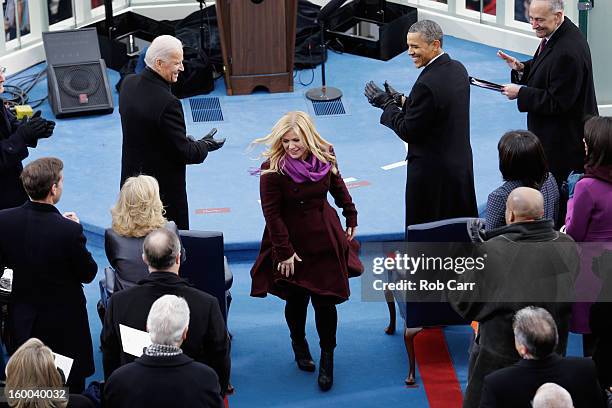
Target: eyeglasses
point(2, 70)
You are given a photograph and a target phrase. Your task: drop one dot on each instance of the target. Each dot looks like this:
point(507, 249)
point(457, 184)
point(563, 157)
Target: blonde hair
point(33, 366)
point(301, 124)
point(139, 209)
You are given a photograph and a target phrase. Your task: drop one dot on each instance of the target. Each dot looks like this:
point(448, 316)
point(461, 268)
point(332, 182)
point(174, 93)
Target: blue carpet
point(370, 366)
point(91, 146)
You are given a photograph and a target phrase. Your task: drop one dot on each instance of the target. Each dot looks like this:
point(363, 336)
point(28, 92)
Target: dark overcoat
point(155, 140)
point(515, 386)
point(50, 263)
point(13, 150)
point(300, 220)
point(435, 122)
point(558, 96)
point(172, 381)
point(207, 339)
point(526, 263)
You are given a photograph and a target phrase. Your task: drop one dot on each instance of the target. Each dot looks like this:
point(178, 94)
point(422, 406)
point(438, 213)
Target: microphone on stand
point(325, 93)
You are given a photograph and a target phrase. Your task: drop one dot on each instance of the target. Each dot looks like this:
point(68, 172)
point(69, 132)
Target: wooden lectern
point(258, 44)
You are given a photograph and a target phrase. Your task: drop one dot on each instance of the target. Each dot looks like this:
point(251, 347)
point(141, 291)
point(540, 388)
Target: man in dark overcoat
point(154, 135)
point(526, 263)
point(535, 339)
point(555, 87)
point(50, 263)
point(15, 138)
point(207, 338)
point(435, 122)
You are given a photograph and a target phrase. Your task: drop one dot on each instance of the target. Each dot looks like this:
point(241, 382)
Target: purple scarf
point(300, 171)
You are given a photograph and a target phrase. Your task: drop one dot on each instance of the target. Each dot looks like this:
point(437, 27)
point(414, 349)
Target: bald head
point(524, 204)
point(162, 251)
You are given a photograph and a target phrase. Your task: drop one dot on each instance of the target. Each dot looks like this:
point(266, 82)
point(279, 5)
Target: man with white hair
point(535, 339)
point(551, 395)
point(166, 376)
point(155, 141)
point(555, 87)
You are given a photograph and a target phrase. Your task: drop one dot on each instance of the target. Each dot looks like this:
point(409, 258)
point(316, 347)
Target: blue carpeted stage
point(223, 196)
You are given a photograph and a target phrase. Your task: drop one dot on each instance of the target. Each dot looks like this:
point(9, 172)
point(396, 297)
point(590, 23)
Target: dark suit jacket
point(13, 150)
point(174, 381)
point(155, 142)
point(558, 96)
point(435, 122)
point(207, 339)
point(515, 386)
point(50, 262)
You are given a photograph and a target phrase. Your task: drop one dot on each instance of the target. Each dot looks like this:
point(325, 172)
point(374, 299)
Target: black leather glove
point(376, 96)
point(211, 143)
point(397, 96)
point(34, 129)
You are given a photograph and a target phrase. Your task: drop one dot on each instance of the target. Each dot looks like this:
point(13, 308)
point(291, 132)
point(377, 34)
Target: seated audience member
point(522, 163)
point(207, 340)
point(166, 376)
point(138, 211)
point(589, 217)
point(550, 395)
point(528, 262)
point(50, 261)
point(32, 366)
point(535, 339)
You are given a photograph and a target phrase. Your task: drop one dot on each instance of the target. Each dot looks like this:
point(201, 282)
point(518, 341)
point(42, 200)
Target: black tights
point(326, 318)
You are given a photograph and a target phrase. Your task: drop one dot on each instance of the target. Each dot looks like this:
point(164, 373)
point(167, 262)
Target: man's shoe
point(326, 370)
point(303, 357)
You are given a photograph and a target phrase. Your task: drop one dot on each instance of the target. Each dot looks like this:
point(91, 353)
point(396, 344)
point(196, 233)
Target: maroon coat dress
point(300, 220)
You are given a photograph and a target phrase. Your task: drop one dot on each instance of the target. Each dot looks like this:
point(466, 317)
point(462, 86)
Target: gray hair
point(430, 30)
point(536, 330)
point(162, 48)
point(167, 320)
point(161, 248)
point(555, 5)
point(551, 395)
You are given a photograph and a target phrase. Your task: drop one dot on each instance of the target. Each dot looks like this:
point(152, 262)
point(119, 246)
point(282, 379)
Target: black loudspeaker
point(371, 28)
point(76, 75)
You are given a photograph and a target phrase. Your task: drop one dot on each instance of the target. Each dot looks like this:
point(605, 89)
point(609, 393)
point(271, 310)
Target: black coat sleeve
point(415, 119)
point(217, 346)
point(12, 151)
point(173, 124)
point(82, 261)
point(110, 342)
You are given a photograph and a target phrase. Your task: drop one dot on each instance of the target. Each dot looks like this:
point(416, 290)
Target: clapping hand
point(211, 143)
point(398, 97)
point(376, 96)
point(71, 215)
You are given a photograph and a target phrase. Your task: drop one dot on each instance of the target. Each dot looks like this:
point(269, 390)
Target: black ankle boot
point(326, 370)
point(303, 357)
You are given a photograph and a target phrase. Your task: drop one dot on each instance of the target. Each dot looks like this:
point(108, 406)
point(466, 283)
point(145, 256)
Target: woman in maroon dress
point(305, 253)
